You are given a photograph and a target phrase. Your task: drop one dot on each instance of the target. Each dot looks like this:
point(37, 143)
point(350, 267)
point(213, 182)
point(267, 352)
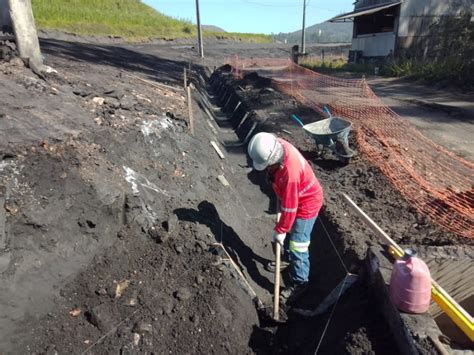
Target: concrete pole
point(303, 31)
point(24, 27)
point(201, 48)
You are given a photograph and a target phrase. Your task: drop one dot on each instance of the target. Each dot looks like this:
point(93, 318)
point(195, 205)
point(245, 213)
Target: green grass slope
point(130, 19)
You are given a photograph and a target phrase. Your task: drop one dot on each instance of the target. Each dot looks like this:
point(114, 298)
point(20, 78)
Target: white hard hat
point(265, 150)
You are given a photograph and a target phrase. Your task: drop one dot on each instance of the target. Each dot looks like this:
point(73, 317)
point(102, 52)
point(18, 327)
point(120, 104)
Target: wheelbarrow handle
point(326, 110)
point(296, 118)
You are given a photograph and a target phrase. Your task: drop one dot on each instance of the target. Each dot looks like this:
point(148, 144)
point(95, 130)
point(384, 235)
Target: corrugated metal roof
point(365, 11)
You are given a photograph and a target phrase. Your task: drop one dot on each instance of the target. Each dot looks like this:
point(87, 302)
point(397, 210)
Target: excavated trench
point(352, 326)
point(251, 105)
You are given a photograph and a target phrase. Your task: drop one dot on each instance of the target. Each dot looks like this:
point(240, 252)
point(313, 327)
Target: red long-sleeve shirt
point(300, 193)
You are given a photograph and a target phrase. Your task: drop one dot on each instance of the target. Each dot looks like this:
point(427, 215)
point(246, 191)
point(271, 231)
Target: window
point(379, 22)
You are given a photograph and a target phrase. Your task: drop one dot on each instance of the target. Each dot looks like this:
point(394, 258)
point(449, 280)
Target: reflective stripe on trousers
point(300, 239)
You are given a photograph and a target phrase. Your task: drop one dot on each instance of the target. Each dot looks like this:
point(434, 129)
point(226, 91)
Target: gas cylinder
point(410, 284)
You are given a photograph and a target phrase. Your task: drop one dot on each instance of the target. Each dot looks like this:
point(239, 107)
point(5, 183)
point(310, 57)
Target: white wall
point(4, 14)
point(417, 15)
point(374, 45)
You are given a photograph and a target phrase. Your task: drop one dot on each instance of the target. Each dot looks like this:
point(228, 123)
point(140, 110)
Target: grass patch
point(453, 70)
point(130, 19)
point(336, 64)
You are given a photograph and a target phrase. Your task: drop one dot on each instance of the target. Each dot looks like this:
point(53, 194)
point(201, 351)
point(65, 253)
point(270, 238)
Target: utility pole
point(21, 14)
point(303, 31)
point(201, 48)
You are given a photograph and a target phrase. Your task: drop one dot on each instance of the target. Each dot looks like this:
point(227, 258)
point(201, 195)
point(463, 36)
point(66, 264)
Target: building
point(402, 28)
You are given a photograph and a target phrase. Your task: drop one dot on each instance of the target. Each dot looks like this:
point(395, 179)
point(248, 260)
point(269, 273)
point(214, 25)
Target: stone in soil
point(101, 317)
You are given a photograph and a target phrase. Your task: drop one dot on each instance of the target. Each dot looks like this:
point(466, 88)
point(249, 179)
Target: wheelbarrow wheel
point(344, 160)
point(319, 150)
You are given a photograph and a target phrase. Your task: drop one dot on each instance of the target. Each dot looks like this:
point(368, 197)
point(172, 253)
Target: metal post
point(201, 48)
point(303, 31)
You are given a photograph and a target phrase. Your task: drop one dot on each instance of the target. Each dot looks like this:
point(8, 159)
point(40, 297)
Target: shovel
point(276, 290)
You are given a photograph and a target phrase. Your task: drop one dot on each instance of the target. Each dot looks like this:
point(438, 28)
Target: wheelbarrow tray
point(328, 129)
point(332, 133)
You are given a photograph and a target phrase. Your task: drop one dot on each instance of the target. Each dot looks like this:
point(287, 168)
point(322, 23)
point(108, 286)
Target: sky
point(254, 16)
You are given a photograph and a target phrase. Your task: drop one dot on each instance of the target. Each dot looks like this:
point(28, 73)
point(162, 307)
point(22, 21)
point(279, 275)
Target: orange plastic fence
point(435, 181)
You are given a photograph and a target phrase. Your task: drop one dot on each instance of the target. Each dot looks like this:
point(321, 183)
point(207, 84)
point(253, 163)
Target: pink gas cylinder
point(410, 284)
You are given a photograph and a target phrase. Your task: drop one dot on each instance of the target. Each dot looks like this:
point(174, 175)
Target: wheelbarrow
point(331, 133)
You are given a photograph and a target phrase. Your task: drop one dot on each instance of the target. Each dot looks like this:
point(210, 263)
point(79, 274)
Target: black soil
point(113, 210)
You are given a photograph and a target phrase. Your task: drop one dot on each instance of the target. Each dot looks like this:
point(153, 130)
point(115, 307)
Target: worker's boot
point(291, 294)
point(271, 266)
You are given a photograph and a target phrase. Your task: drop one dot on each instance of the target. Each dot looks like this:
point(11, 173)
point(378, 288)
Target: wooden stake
point(185, 79)
point(190, 111)
point(244, 279)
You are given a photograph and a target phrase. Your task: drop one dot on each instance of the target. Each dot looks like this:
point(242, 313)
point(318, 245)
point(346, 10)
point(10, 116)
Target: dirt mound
point(8, 50)
point(156, 297)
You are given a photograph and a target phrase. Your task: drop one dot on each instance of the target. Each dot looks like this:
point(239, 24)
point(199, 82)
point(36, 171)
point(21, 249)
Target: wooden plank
point(218, 150)
point(152, 83)
point(371, 224)
point(223, 180)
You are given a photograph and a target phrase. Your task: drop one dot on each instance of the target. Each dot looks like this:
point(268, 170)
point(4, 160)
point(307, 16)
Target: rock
point(171, 224)
point(136, 339)
point(75, 312)
point(194, 319)
point(157, 234)
point(199, 279)
point(17, 62)
point(115, 93)
point(112, 102)
point(51, 350)
point(121, 234)
point(98, 100)
point(183, 294)
point(201, 244)
point(117, 288)
point(143, 327)
point(127, 103)
point(82, 92)
point(101, 291)
point(101, 317)
point(168, 308)
point(133, 300)
point(179, 249)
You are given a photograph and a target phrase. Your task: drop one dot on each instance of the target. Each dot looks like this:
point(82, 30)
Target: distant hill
point(211, 28)
point(325, 32)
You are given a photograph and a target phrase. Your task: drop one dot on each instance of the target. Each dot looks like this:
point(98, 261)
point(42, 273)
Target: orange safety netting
point(435, 181)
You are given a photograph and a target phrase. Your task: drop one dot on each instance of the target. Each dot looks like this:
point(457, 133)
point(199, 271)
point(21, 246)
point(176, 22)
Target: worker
point(300, 197)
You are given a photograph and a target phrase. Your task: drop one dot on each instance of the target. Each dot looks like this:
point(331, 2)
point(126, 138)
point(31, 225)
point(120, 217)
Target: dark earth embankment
point(113, 209)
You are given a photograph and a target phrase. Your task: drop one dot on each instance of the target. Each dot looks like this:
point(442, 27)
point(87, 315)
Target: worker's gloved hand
point(279, 238)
